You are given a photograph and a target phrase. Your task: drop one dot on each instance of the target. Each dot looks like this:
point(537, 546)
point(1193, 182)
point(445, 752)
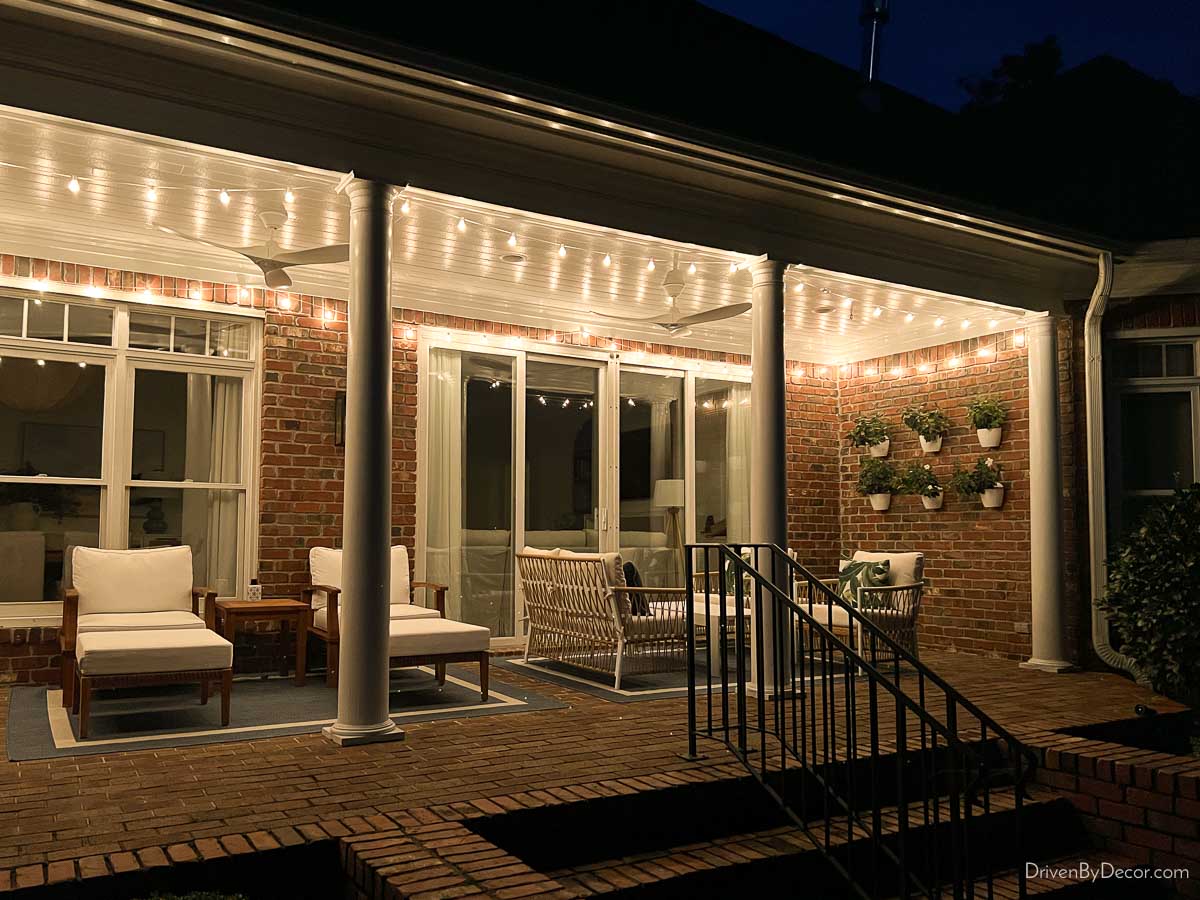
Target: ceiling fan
point(268, 257)
point(673, 323)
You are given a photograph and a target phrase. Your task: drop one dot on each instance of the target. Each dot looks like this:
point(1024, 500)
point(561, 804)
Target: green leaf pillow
point(860, 573)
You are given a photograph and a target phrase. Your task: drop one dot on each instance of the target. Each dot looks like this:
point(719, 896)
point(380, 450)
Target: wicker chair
point(580, 613)
point(893, 607)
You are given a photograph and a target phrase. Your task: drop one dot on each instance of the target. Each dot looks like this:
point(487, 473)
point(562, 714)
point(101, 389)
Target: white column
point(768, 451)
point(1045, 507)
point(367, 504)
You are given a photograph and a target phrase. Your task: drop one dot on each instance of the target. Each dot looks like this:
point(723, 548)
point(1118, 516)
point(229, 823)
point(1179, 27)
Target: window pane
point(1156, 440)
point(190, 335)
point(38, 526)
point(1139, 360)
point(90, 325)
point(651, 484)
point(187, 426)
point(1181, 360)
point(12, 312)
point(206, 521)
point(722, 461)
point(149, 331)
point(230, 339)
point(51, 418)
point(1134, 507)
point(45, 320)
point(562, 457)
point(469, 543)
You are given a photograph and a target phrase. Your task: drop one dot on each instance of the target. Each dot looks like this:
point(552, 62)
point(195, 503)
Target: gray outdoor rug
point(171, 716)
point(634, 688)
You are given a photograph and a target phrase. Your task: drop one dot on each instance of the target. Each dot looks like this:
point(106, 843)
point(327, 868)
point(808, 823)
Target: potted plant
point(871, 432)
point(877, 481)
point(987, 416)
point(931, 425)
point(982, 481)
point(1152, 601)
point(920, 480)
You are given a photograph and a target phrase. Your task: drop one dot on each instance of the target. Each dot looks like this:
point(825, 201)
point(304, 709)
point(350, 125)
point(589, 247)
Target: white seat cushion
point(325, 566)
point(429, 637)
point(395, 611)
point(132, 581)
point(150, 621)
point(140, 652)
point(820, 612)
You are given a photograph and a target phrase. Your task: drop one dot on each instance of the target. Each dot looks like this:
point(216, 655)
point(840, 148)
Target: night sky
point(930, 43)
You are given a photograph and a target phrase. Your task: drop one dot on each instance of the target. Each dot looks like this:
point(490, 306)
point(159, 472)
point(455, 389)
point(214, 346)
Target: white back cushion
point(132, 581)
point(325, 564)
point(906, 568)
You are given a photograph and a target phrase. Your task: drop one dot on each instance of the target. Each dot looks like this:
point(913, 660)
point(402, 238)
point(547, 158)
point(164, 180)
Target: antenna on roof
point(875, 14)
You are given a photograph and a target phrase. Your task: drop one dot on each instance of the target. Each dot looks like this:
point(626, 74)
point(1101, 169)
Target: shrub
point(930, 424)
point(877, 476)
point(920, 480)
point(986, 412)
point(974, 481)
point(868, 430)
point(1153, 595)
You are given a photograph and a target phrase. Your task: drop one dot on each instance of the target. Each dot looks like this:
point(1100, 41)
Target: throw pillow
point(860, 573)
point(638, 604)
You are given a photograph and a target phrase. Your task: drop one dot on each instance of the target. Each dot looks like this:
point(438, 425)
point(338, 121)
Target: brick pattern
point(813, 458)
point(29, 655)
point(1181, 311)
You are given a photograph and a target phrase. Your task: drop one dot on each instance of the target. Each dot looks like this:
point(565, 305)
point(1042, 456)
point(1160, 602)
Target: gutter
point(1097, 498)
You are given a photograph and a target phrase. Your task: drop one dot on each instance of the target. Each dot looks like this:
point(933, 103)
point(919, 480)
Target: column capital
point(767, 271)
point(1045, 324)
point(366, 191)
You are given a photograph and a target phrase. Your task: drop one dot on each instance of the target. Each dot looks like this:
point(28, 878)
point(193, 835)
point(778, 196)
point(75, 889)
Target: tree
point(1015, 76)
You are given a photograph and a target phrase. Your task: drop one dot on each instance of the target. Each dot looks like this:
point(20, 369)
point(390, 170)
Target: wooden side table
point(231, 613)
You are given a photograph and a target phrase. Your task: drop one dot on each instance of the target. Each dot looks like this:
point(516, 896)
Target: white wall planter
point(881, 449)
point(933, 502)
point(992, 498)
point(989, 437)
point(880, 502)
point(930, 446)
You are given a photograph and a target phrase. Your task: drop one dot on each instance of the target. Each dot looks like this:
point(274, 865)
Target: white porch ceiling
point(111, 221)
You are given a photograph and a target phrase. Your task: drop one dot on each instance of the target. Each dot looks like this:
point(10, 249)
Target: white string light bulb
point(151, 194)
point(939, 322)
point(405, 207)
point(512, 239)
point(73, 185)
point(878, 312)
point(606, 262)
point(289, 197)
point(562, 250)
point(223, 197)
point(692, 269)
point(966, 323)
point(650, 266)
point(909, 317)
point(462, 225)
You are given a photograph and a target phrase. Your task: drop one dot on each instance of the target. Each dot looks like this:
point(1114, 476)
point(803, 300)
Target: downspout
point(1097, 496)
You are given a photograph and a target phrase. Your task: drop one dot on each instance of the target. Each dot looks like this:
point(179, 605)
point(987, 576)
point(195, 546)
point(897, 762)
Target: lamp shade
point(668, 493)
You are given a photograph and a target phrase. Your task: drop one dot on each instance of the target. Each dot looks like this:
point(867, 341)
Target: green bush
point(877, 476)
point(930, 424)
point(974, 481)
point(1153, 595)
point(868, 430)
point(986, 412)
point(920, 480)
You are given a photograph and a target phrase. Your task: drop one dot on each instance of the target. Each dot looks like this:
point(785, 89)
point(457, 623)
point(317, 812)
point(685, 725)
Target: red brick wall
point(29, 655)
point(813, 434)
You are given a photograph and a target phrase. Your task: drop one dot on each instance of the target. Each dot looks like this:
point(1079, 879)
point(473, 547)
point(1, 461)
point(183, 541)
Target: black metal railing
point(908, 787)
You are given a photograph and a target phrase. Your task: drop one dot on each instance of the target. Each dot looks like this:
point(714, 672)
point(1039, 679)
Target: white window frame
point(121, 364)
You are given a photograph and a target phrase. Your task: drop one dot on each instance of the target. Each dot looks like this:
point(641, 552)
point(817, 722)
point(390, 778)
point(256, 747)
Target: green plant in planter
point(920, 480)
point(878, 476)
point(974, 481)
point(986, 412)
point(1153, 596)
point(868, 431)
point(930, 424)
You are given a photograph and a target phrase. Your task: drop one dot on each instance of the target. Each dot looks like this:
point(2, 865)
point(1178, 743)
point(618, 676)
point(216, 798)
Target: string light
point(512, 239)
point(288, 196)
point(462, 225)
point(405, 207)
point(328, 315)
point(607, 261)
point(151, 194)
point(692, 269)
point(284, 302)
point(73, 185)
point(939, 322)
point(953, 361)
point(897, 372)
point(1019, 339)
point(194, 293)
point(83, 365)
point(562, 250)
point(985, 351)
point(732, 268)
point(797, 373)
point(909, 317)
point(410, 333)
point(41, 362)
point(244, 294)
point(966, 323)
point(992, 323)
point(223, 197)
point(878, 311)
point(871, 370)
point(650, 266)
point(923, 368)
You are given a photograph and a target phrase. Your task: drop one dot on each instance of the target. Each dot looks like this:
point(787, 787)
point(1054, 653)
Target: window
point(121, 442)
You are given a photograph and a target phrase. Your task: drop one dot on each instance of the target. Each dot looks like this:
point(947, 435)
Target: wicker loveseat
point(580, 612)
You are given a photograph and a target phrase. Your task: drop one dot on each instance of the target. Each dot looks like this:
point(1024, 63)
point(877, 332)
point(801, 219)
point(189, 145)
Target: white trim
point(68, 292)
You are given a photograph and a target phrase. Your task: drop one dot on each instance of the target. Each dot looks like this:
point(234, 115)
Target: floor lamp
point(669, 495)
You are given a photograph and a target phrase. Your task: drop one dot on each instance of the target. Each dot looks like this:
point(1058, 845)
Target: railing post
point(689, 615)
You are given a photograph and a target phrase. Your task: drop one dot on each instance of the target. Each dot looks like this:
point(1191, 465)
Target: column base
point(385, 733)
point(1054, 666)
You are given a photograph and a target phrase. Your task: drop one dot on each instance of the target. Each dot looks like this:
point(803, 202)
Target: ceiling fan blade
point(316, 256)
point(275, 278)
point(653, 320)
point(716, 314)
point(199, 240)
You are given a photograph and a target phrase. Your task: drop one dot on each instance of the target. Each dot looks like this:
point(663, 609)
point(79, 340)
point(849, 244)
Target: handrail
point(800, 717)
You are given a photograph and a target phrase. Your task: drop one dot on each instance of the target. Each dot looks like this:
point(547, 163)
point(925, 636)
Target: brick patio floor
point(70, 817)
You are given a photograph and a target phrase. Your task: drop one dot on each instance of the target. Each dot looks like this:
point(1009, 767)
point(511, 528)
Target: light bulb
point(985, 351)
point(553, 339)
point(244, 294)
point(878, 312)
point(848, 301)
point(562, 249)
point(147, 293)
point(410, 333)
point(953, 361)
point(512, 239)
point(284, 302)
point(613, 345)
point(37, 301)
point(992, 323)
point(732, 268)
point(909, 317)
point(939, 322)
point(799, 287)
point(821, 372)
point(566, 403)
point(151, 194)
point(650, 266)
point(607, 261)
point(692, 269)
point(1019, 339)
point(542, 400)
point(462, 225)
point(41, 362)
point(630, 402)
point(83, 365)
point(871, 370)
point(73, 185)
point(289, 197)
point(966, 323)
point(897, 372)
point(797, 373)
point(223, 197)
point(194, 294)
point(923, 368)
point(584, 332)
point(329, 315)
point(405, 207)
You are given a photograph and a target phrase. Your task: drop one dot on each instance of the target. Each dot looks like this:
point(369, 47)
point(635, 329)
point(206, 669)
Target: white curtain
point(213, 450)
point(737, 468)
point(444, 463)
